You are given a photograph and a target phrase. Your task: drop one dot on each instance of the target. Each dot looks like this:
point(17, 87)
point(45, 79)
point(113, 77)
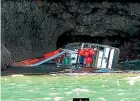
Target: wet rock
point(31, 28)
point(6, 59)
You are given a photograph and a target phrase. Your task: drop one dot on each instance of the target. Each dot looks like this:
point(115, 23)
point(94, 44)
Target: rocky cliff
point(31, 28)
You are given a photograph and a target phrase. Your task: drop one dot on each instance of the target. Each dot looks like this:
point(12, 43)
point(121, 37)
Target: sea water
point(99, 87)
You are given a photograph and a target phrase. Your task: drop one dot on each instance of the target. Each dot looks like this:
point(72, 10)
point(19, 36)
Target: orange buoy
point(86, 53)
point(89, 60)
point(91, 52)
point(81, 52)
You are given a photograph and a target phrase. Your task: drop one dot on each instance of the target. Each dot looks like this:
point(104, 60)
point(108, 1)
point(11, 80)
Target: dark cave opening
point(64, 39)
point(67, 37)
point(125, 44)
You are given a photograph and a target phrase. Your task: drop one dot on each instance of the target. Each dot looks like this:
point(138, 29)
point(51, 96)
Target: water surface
point(100, 87)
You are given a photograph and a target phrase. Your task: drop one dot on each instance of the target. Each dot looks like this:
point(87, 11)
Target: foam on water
point(129, 99)
point(103, 99)
point(16, 75)
point(68, 92)
point(47, 98)
point(20, 85)
point(53, 74)
point(118, 83)
point(30, 90)
point(23, 99)
point(132, 80)
point(120, 90)
point(65, 88)
point(53, 93)
point(80, 90)
point(77, 74)
point(58, 98)
point(68, 86)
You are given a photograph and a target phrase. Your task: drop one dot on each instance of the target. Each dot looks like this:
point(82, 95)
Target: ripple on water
point(80, 90)
point(129, 99)
point(110, 90)
point(93, 91)
point(118, 83)
point(17, 75)
point(102, 98)
point(12, 84)
point(21, 85)
point(120, 90)
point(36, 88)
point(68, 86)
point(70, 92)
point(132, 80)
point(52, 88)
point(58, 98)
point(47, 98)
point(65, 88)
point(23, 99)
point(121, 94)
point(5, 79)
point(53, 93)
point(30, 90)
point(29, 81)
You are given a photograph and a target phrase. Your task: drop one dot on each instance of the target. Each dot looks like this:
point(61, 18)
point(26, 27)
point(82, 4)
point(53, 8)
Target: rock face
point(5, 57)
point(31, 28)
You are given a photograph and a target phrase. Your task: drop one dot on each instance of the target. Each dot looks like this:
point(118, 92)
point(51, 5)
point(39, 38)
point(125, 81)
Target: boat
point(77, 55)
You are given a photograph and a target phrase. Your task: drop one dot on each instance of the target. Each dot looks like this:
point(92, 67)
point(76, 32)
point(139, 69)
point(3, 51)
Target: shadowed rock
point(5, 57)
point(31, 28)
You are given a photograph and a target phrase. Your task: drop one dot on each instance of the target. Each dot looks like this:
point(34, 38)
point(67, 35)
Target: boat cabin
point(104, 56)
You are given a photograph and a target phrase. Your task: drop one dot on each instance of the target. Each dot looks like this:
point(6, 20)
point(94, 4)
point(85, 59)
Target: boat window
point(93, 46)
point(73, 46)
point(101, 48)
point(86, 46)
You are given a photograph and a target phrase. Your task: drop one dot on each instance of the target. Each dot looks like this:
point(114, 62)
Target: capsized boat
point(78, 55)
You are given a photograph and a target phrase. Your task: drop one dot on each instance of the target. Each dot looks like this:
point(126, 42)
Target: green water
point(130, 65)
point(108, 87)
